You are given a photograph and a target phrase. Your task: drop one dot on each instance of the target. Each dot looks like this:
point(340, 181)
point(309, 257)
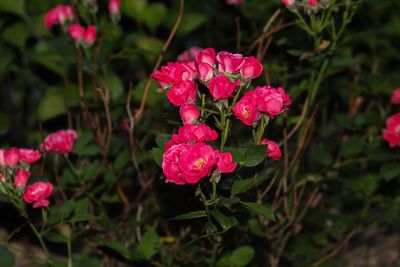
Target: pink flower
point(234, 2)
point(205, 71)
point(206, 56)
point(222, 88)
point(197, 163)
point(114, 6)
point(61, 141)
point(313, 3)
point(194, 133)
point(174, 73)
point(170, 166)
point(189, 113)
point(2, 158)
point(76, 32)
point(391, 133)
point(21, 178)
point(270, 100)
point(252, 68)
point(225, 162)
point(246, 110)
point(189, 55)
point(29, 156)
point(229, 62)
point(395, 97)
point(183, 92)
point(59, 15)
point(89, 36)
point(38, 194)
point(288, 3)
point(11, 156)
point(273, 150)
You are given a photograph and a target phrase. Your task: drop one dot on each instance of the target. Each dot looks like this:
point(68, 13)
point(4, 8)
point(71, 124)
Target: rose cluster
point(227, 78)
point(391, 133)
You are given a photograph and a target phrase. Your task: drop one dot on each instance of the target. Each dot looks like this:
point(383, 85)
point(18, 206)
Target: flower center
point(246, 114)
point(397, 129)
point(199, 163)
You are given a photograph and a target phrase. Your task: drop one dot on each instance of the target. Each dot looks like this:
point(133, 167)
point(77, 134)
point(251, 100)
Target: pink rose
point(251, 68)
point(205, 71)
point(206, 56)
point(89, 36)
point(194, 133)
point(61, 141)
point(174, 73)
point(234, 2)
point(197, 163)
point(170, 166)
point(229, 62)
point(59, 15)
point(21, 178)
point(273, 150)
point(269, 100)
point(391, 133)
point(189, 113)
point(222, 88)
point(29, 156)
point(114, 6)
point(288, 3)
point(225, 162)
point(246, 110)
point(313, 3)
point(287, 101)
point(76, 32)
point(189, 55)
point(38, 193)
point(395, 100)
point(2, 158)
point(181, 93)
point(11, 156)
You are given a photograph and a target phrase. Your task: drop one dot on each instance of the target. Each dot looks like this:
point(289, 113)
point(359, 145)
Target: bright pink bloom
point(225, 162)
point(183, 92)
point(288, 3)
point(205, 71)
point(114, 6)
point(2, 158)
point(11, 157)
point(61, 141)
point(392, 131)
point(21, 178)
point(189, 113)
point(197, 163)
point(76, 32)
point(246, 110)
point(273, 150)
point(222, 88)
point(29, 156)
point(189, 55)
point(313, 3)
point(59, 15)
point(89, 36)
point(170, 166)
point(174, 73)
point(190, 133)
point(395, 97)
point(270, 100)
point(229, 62)
point(206, 56)
point(38, 194)
point(234, 2)
point(252, 68)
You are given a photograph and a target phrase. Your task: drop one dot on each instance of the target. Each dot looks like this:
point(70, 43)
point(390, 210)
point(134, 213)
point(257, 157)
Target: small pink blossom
point(181, 93)
point(59, 15)
point(288, 3)
point(174, 73)
point(189, 113)
point(76, 32)
point(29, 156)
point(222, 88)
point(190, 133)
point(61, 141)
point(114, 6)
point(235, 2)
point(89, 36)
point(391, 133)
point(170, 166)
point(205, 71)
point(273, 150)
point(38, 194)
point(225, 162)
point(11, 156)
point(251, 68)
point(313, 3)
point(206, 56)
point(21, 178)
point(229, 63)
point(189, 55)
point(246, 110)
point(2, 158)
point(395, 99)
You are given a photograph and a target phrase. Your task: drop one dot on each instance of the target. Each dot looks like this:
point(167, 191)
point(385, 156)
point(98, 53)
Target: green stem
point(69, 253)
point(261, 128)
point(40, 238)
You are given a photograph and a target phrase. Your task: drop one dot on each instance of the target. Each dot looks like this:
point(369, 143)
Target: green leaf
point(90, 150)
point(351, 147)
point(83, 140)
point(154, 15)
point(157, 155)
point(7, 258)
point(16, 34)
point(154, 96)
point(90, 171)
point(122, 160)
point(56, 237)
point(390, 171)
point(242, 256)
point(116, 246)
point(115, 86)
point(190, 215)
point(148, 246)
point(191, 22)
point(14, 6)
point(240, 186)
point(226, 222)
point(254, 155)
point(259, 209)
point(161, 139)
point(52, 105)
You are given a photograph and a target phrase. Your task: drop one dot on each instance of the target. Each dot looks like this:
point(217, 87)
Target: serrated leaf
point(240, 186)
point(259, 209)
point(148, 246)
point(254, 155)
point(226, 222)
point(190, 215)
